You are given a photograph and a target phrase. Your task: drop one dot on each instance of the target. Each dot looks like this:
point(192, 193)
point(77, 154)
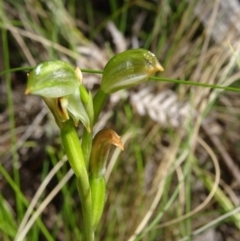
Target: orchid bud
point(128, 69)
point(100, 150)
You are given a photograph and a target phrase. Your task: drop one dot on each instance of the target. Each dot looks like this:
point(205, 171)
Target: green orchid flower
point(128, 69)
point(125, 70)
point(58, 83)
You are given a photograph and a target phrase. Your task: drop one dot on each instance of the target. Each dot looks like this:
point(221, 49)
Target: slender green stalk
point(219, 196)
point(90, 14)
point(11, 120)
point(86, 146)
point(86, 201)
point(74, 153)
point(162, 79)
point(188, 195)
point(99, 101)
point(123, 22)
point(112, 17)
point(156, 220)
point(114, 6)
point(87, 136)
point(186, 82)
point(15, 70)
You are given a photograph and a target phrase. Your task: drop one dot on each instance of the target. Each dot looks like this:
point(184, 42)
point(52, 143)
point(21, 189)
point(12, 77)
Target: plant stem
point(74, 153)
point(86, 146)
point(99, 101)
point(87, 136)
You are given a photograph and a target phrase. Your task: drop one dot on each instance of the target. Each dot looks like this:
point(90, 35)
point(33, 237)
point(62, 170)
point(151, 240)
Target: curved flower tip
point(79, 74)
point(100, 149)
point(152, 64)
point(27, 91)
point(107, 137)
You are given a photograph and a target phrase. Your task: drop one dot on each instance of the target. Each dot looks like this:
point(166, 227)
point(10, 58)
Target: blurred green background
point(178, 177)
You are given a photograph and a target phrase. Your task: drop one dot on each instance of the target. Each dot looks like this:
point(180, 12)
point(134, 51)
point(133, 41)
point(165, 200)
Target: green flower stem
point(99, 101)
point(86, 203)
point(86, 146)
point(74, 153)
point(87, 136)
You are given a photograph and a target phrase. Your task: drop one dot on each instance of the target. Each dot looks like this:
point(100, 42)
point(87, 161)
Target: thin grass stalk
point(211, 224)
point(43, 205)
point(16, 189)
point(15, 160)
